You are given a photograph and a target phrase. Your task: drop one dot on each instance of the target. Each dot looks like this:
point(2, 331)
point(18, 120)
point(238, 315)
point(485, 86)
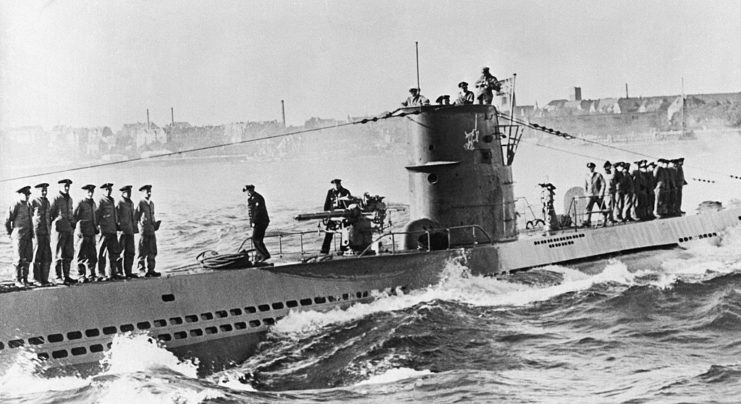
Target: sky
point(104, 63)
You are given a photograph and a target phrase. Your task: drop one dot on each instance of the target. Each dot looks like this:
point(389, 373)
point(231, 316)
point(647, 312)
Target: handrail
point(392, 234)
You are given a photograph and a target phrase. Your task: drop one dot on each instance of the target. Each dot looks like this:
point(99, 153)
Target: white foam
point(394, 375)
point(131, 353)
point(21, 378)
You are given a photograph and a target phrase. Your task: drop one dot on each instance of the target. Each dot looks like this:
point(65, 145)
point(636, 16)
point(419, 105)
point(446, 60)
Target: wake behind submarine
point(462, 208)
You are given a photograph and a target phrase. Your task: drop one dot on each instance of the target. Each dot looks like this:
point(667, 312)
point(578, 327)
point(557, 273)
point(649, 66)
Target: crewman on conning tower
point(415, 99)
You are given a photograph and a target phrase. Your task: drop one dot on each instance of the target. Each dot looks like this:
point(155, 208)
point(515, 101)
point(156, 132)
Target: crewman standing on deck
point(671, 170)
point(337, 198)
point(19, 226)
point(611, 183)
point(661, 190)
point(595, 188)
point(108, 249)
point(650, 186)
point(125, 213)
point(87, 256)
point(259, 221)
point(63, 225)
point(681, 182)
point(42, 234)
point(144, 215)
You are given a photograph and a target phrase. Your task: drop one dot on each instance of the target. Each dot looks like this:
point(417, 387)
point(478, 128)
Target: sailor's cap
point(335, 181)
point(65, 181)
point(662, 160)
point(462, 84)
point(413, 89)
point(125, 188)
point(248, 187)
point(591, 165)
point(89, 187)
point(607, 164)
point(681, 159)
point(25, 190)
point(42, 185)
point(651, 164)
point(485, 68)
point(107, 185)
point(145, 188)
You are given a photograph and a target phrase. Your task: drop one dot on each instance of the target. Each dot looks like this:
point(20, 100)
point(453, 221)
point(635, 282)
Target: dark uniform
point(145, 217)
point(259, 220)
point(63, 225)
point(611, 183)
point(661, 190)
point(19, 226)
point(331, 202)
point(681, 182)
point(87, 256)
point(42, 233)
point(125, 213)
point(672, 181)
point(108, 249)
point(641, 187)
point(650, 186)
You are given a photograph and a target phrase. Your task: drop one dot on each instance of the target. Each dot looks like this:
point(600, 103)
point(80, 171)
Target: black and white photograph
point(253, 201)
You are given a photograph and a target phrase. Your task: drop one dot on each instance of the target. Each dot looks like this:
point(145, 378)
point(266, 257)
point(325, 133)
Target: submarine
point(462, 209)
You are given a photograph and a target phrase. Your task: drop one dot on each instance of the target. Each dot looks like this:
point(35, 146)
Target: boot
point(19, 276)
point(59, 276)
point(44, 272)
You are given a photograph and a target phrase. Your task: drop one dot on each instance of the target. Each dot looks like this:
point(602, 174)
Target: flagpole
point(416, 48)
point(512, 98)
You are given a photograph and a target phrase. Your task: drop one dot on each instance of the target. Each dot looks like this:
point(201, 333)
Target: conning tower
point(459, 161)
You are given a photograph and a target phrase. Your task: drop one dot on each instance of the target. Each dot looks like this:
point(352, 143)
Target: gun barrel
point(323, 215)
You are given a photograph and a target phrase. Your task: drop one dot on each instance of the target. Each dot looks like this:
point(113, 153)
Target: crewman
point(661, 190)
point(611, 183)
point(485, 85)
point(85, 232)
point(594, 186)
point(640, 182)
point(465, 96)
point(681, 182)
point(650, 186)
point(40, 208)
point(671, 170)
point(415, 99)
point(145, 217)
point(125, 213)
point(63, 225)
point(259, 220)
point(628, 193)
point(19, 226)
point(337, 198)
point(107, 220)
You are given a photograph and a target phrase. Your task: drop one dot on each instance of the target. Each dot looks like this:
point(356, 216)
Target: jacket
point(125, 214)
point(62, 213)
point(331, 201)
point(41, 216)
point(18, 222)
point(257, 210)
point(594, 184)
point(144, 215)
point(105, 215)
point(85, 217)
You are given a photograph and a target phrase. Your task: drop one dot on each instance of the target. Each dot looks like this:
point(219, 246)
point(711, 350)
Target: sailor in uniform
point(611, 183)
point(87, 256)
point(465, 96)
point(681, 182)
point(259, 220)
point(337, 198)
point(485, 85)
point(661, 190)
point(145, 218)
point(42, 233)
point(628, 194)
point(594, 186)
point(63, 224)
point(415, 99)
point(108, 249)
point(19, 226)
point(127, 226)
point(650, 186)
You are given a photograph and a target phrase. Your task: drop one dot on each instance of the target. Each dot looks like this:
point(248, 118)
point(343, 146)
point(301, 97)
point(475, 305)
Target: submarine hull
point(220, 317)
